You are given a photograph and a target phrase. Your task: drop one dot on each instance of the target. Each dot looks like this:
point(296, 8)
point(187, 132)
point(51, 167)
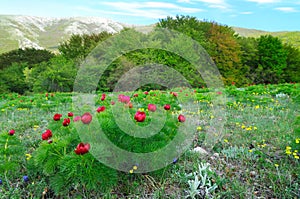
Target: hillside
point(39, 32)
point(47, 33)
point(292, 37)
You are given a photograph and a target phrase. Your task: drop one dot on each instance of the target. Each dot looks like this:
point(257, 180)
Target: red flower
point(152, 107)
point(103, 97)
point(46, 94)
point(77, 118)
point(174, 94)
point(66, 122)
point(219, 93)
point(135, 95)
point(181, 118)
point(57, 117)
point(101, 109)
point(129, 105)
point(140, 116)
point(86, 118)
point(124, 99)
point(146, 92)
point(82, 148)
point(70, 114)
point(167, 107)
point(47, 134)
point(112, 103)
point(11, 132)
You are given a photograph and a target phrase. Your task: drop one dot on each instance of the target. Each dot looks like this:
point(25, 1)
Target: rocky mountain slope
point(39, 32)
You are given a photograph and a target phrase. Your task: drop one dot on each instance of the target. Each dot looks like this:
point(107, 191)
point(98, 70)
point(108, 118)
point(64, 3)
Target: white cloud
point(142, 7)
point(246, 13)
point(286, 9)
point(151, 10)
point(264, 1)
point(219, 4)
point(183, 1)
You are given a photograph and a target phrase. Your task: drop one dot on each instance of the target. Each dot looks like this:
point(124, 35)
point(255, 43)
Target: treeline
point(240, 60)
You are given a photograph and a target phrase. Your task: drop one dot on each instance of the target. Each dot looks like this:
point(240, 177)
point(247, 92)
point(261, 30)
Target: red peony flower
point(57, 117)
point(124, 99)
point(82, 148)
point(66, 122)
point(146, 92)
point(101, 109)
point(11, 132)
point(181, 118)
point(140, 116)
point(47, 134)
point(129, 105)
point(70, 114)
point(77, 118)
point(86, 118)
point(174, 94)
point(135, 95)
point(103, 97)
point(152, 107)
point(167, 107)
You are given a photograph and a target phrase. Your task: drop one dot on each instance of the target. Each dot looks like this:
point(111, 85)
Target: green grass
point(249, 158)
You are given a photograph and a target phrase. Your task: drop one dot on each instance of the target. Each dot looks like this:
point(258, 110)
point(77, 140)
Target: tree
point(226, 53)
point(12, 79)
point(249, 57)
point(272, 59)
point(79, 46)
point(292, 71)
point(30, 56)
point(57, 75)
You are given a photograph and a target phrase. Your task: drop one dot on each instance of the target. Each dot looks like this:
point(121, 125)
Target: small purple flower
point(175, 160)
point(25, 178)
point(1, 182)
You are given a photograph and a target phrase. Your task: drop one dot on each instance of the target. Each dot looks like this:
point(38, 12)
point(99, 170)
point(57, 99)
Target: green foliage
point(272, 59)
point(12, 155)
point(12, 78)
point(30, 56)
point(57, 75)
point(79, 46)
point(65, 169)
point(292, 72)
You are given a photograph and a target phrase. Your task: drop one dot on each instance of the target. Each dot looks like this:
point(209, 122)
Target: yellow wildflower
point(28, 156)
point(288, 152)
point(296, 157)
point(199, 128)
point(131, 171)
point(276, 165)
point(225, 140)
point(135, 167)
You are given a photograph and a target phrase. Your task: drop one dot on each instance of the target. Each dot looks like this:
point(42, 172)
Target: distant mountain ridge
point(47, 33)
point(18, 31)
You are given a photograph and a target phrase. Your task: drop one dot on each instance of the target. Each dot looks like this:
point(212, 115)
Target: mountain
point(39, 32)
point(46, 33)
point(290, 37)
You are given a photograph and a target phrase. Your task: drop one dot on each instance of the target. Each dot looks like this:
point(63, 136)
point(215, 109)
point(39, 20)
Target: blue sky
point(270, 15)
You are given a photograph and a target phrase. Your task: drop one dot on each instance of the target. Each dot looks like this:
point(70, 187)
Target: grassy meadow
point(249, 139)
